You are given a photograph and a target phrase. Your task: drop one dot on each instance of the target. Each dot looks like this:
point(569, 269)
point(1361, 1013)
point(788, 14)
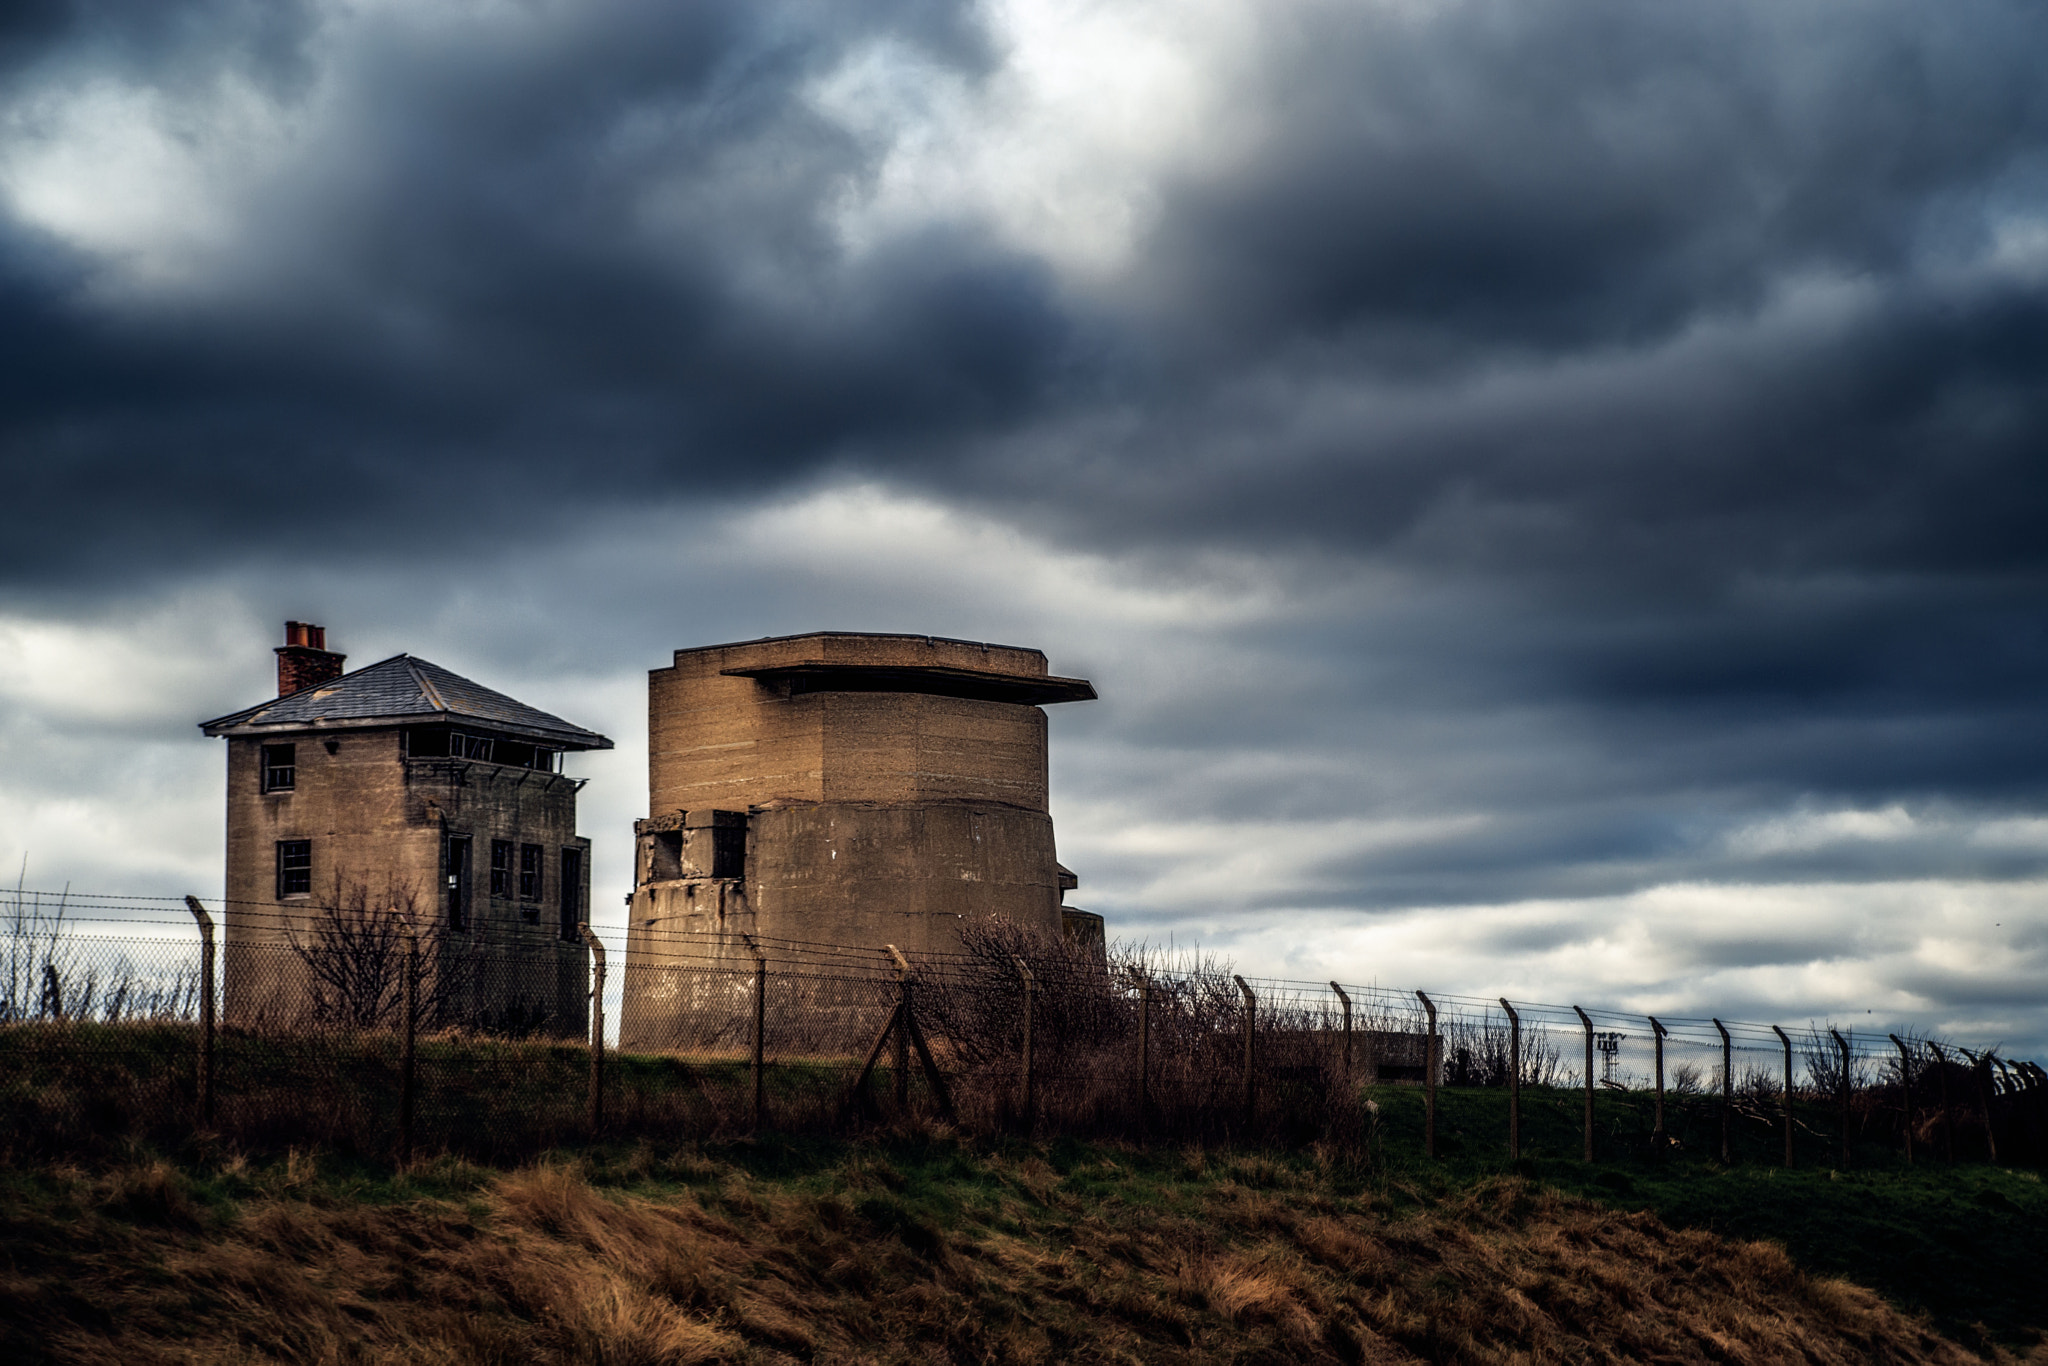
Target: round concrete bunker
point(836, 788)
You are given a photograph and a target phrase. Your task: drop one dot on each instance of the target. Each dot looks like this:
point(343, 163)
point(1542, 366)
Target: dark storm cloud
point(592, 259)
point(567, 267)
point(1538, 177)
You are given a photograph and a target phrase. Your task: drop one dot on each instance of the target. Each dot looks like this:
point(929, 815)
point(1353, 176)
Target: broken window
point(446, 742)
point(280, 767)
point(463, 745)
point(521, 754)
point(501, 867)
point(664, 855)
point(294, 868)
point(423, 742)
point(529, 872)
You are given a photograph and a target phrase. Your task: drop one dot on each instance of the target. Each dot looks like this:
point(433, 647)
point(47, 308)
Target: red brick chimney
point(304, 661)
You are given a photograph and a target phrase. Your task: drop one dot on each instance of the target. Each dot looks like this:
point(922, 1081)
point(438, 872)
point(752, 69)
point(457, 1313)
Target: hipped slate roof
point(401, 689)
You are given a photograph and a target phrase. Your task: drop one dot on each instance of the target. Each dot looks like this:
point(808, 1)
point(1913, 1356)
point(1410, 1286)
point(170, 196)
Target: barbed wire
point(47, 912)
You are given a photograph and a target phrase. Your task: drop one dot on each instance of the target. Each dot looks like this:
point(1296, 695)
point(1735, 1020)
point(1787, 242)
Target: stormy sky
point(1551, 492)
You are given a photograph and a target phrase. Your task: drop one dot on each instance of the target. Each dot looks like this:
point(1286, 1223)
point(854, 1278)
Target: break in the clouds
point(1550, 491)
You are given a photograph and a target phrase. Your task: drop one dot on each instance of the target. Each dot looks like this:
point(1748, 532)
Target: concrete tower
point(842, 788)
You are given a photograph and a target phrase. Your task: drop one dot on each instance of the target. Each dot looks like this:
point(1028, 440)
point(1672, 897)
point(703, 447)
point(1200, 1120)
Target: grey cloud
point(607, 244)
point(1554, 176)
point(601, 250)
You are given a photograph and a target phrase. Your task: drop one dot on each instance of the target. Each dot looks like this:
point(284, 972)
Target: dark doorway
point(572, 893)
point(457, 865)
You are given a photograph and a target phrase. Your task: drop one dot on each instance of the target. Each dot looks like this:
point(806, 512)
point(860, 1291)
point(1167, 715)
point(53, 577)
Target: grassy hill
point(915, 1246)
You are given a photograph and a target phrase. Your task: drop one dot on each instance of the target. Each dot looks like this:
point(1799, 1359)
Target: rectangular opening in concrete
point(572, 892)
point(280, 768)
point(456, 867)
point(665, 856)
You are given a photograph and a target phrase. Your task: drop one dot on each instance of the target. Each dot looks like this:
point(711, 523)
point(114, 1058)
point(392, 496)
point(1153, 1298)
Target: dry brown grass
point(1245, 1260)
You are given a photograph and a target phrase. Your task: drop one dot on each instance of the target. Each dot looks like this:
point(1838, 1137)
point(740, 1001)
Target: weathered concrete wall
point(366, 823)
point(687, 961)
point(862, 875)
point(716, 741)
point(872, 874)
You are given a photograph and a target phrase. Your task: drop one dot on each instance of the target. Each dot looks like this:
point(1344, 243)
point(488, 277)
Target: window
point(294, 868)
point(529, 872)
point(501, 867)
point(729, 851)
point(462, 745)
point(280, 769)
point(447, 742)
point(572, 893)
point(456, 865)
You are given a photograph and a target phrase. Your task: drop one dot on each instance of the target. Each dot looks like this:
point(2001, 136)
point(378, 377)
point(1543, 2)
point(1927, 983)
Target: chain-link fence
point(351, 1028)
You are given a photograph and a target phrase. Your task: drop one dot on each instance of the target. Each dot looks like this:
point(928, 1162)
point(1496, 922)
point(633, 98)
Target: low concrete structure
point(838, 788)
point(401, 785)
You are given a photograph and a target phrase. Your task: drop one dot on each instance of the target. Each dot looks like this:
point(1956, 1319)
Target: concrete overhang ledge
point(817, 675)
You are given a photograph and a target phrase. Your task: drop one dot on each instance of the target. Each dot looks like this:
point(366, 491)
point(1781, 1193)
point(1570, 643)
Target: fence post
point(596, 1025)
point(2007, 1086)
point(1144, 1048)
point(1788, 1091)
point(1980, 1076)
point(1727, 1087)
point(1586, 1020)
point(1905, 1091)
point(1251, 1024)
point(1514, 1079)
point(1347, 1030)
point(1429, 1078)
point(760, 1032)
point(909, 1036)
point(901, 1083)
point(1030, 1082)
point(1979, 1073)
point(1657, 1032)
point(1948, 1114)
point(1842, 1047)
point(206, 974)
point(408, 1034)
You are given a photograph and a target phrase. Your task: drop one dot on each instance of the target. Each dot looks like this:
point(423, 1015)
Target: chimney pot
point(304, 661)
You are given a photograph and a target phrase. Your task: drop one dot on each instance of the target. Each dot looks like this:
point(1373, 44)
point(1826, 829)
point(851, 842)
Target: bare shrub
point(977, 1002)
point(1755, 1083)
point(1092, 1014)
point(1823, 1063)
point(350, 955)
point(1479, 1051)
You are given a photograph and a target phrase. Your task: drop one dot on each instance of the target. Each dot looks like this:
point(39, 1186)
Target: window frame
point(533, 863)
point(501, 869)
point(268, 771)
point(294, 868)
